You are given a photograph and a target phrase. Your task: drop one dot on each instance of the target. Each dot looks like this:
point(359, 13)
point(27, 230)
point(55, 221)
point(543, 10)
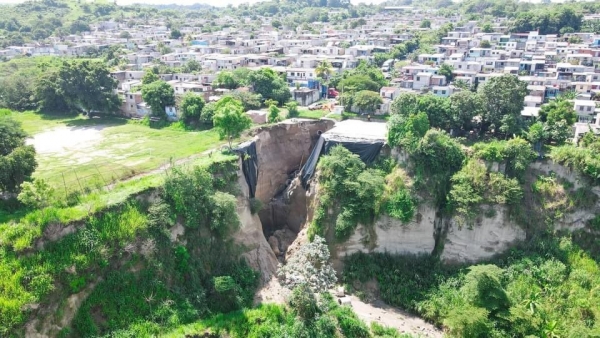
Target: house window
point(435, 91)
point(131, 97)
point(589, 108)
point(418, 78)
point(443, 92)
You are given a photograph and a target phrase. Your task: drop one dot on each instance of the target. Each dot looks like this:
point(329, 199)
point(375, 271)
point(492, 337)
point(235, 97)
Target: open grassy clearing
point(312, 114)
point(21, 228)
point(80, 153)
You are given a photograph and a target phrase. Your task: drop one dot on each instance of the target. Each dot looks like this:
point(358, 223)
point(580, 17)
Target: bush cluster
point(515, 154)
point(358, 193)
point(474, 185)
point(347, 185)
point(543, 289)
point(585, 160)
point(308, 315)
point(178, 282)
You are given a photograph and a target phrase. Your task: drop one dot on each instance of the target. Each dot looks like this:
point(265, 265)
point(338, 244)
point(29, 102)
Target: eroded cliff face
point(281, 150)
point(458, 244)
point(390, 235)
point(494, 230)
point(249, 236)
point(490, 235)
point(287, 211)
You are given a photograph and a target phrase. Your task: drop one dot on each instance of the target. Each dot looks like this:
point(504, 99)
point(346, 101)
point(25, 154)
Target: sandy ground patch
point(64, 140)
point(376, 311)
point(272, 292)
point(386, 315)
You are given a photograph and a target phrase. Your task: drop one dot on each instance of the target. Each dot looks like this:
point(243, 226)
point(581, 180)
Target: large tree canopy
point(230, 119)
point(191, 107)
point(17, 161)
point(366, 72)
point(158, 95)
point(438, 109)
point(503, 101)
point(555, 121)
point(226, 79)
point(78, 86)
point(358, 82)
point(268, 84)
point(367, 101)
point(558, 110)
point(465, 105)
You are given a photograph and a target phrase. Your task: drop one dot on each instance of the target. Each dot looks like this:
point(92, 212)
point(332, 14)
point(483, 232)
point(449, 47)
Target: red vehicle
point(332, 93)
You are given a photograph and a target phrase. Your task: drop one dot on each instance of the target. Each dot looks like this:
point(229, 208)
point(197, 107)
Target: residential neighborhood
point(550, 64)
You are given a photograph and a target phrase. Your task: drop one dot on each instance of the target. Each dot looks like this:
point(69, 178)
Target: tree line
point(60, 87)
point(497, 104)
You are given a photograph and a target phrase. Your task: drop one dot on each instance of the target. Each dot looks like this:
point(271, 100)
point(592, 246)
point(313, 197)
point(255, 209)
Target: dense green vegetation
point(543, 289)
point(147, 288)
point(473, 185)
point(52, 85)
point(17, 160)
point(584, 159)
point(358, 194)
point(324, 319)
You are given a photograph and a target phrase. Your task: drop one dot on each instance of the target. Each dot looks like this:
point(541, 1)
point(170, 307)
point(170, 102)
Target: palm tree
point(324, 69)
point(533, 302)
point(550, 330)
point(462, 84)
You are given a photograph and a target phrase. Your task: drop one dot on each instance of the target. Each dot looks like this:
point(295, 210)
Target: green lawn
point(80, 153)
point(312, 114)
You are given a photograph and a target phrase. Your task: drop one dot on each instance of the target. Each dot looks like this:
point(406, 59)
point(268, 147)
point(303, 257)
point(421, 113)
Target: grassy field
point(82, 153)
point(312, 114)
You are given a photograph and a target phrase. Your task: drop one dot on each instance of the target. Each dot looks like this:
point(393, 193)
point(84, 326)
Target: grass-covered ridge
point(583, 159)
point(130, 245)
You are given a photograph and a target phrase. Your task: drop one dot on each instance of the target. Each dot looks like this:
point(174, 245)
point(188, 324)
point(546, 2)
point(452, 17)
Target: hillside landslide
point(269, 234)
point(288, 209)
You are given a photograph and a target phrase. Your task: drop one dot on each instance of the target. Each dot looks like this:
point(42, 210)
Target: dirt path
point(386, 315)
